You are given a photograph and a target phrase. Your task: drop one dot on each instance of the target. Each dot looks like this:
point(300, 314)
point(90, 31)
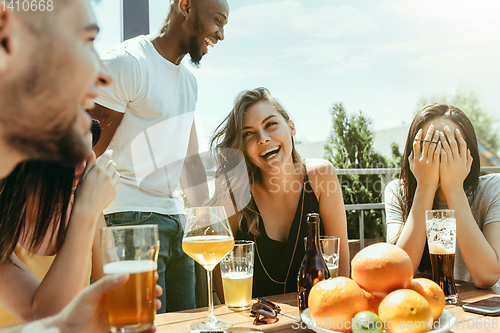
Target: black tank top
point(275, 255)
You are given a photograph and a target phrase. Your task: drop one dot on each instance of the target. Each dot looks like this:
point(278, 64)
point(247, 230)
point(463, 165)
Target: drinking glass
point(132, 250)
point(237, 275)
point(329, 247)
point(207, 239)
point(441, 238)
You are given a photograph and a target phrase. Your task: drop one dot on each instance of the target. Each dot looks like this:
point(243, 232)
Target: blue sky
point(376, 56)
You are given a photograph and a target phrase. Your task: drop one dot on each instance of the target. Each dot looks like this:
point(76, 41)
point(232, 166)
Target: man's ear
point(292, 126)
point(7, 39)
point(185, 7)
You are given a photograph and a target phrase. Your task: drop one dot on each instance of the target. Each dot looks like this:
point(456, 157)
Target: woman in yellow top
point(50, 238)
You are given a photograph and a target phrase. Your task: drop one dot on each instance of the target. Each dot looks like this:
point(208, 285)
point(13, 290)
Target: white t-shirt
point(150, 144)
point(485, 208)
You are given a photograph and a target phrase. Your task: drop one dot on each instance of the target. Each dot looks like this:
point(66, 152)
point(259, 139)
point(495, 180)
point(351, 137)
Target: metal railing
point(385, 175)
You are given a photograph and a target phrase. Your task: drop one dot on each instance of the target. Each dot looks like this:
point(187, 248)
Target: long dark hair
point(43, 190)
point(229, 150)
point(408, 184)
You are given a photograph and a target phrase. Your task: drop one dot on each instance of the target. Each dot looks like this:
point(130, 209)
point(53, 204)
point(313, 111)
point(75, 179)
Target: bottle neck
point(313, 236)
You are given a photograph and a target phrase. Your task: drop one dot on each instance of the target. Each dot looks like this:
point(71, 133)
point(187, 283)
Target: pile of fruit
point(381, 296)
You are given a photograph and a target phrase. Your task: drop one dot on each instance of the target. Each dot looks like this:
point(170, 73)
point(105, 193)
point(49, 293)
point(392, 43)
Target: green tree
point(350, 146)
point(485, 125)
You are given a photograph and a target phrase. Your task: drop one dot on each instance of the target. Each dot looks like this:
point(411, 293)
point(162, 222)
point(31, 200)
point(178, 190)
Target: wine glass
point(207, 239)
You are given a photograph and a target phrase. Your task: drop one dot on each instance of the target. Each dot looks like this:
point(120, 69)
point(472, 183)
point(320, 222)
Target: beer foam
point(129, 267)
point(207, 239)
point(442, 231)
point(438, 248)
point(236, 275)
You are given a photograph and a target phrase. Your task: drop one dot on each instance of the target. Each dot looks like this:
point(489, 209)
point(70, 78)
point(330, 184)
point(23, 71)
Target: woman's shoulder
point(393, 190)
point(321, 175)
point(393, 185)
point(318, 167)
point(492, 179)
point(489, 184)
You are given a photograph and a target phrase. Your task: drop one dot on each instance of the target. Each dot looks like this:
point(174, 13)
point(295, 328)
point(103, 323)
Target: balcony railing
point(385, 176)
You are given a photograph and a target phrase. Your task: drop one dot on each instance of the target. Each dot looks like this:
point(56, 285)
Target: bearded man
point(49, 71)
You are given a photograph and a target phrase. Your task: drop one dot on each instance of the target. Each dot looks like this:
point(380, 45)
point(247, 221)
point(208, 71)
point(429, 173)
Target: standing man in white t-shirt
point(147, 116)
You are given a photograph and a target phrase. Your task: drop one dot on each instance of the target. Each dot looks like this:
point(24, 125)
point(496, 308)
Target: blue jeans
point(175, 268)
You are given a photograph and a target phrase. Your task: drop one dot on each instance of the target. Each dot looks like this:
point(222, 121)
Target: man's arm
point(193, 177)
point(109, 120)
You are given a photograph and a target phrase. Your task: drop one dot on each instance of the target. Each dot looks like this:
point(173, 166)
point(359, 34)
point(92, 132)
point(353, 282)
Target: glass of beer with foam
point(237, 275)
point(132, 250)
point(441, 238)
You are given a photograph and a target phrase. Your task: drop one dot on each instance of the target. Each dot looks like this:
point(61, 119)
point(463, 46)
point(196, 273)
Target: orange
point(432, 293)
point(373, 301)
point(334, 302)
point(381, 268)
point(407, 311)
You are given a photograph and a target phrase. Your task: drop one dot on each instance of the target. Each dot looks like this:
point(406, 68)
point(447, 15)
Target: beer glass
point(329, 247)
point(132, 250)
point(237, 275)
point(207, 239)
point(441, 238)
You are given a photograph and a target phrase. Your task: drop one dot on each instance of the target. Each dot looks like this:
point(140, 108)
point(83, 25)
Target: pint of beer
point(237, 275)
point(132, 250)
point(441, 238)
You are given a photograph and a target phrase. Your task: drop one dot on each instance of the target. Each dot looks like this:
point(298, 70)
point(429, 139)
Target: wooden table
point(242, 322)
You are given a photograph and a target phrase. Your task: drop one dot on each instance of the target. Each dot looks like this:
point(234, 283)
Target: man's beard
point(36, 130)
point(194, 46)
point(65, 146)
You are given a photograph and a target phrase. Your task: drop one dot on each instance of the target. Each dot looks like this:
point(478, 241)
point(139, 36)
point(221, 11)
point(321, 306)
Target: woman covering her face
point(442, 172)
point(268, 190)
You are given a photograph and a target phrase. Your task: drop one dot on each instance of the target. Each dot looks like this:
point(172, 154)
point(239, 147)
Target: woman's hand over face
point(98, 185)
point(456, 160)
point(424, 159)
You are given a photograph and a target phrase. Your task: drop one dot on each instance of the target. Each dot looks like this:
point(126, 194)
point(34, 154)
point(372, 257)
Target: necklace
point(294, 248)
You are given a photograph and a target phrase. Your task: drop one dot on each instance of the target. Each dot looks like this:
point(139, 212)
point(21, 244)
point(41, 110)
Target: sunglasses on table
point(265, 312)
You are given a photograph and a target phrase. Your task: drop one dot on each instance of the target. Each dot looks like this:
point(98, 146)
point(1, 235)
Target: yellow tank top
point(39, 266)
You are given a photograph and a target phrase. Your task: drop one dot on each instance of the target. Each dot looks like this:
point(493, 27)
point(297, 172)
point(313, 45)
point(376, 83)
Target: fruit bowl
point(447, 320)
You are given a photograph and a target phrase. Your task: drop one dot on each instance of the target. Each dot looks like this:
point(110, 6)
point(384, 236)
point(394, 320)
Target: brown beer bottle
point(313, 268)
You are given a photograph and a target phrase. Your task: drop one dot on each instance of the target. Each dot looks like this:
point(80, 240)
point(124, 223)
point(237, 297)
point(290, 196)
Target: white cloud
point(234, 73)
point(292, 20)
point(351, 65)
point(464, 64)
point(321, 53)
point(446, 10)
point(406, 47)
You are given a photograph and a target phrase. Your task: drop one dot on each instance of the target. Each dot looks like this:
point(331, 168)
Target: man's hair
point(40, 21)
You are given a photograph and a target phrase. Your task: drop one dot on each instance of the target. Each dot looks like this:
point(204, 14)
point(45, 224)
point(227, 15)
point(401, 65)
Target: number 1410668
point(478, 324)
point(28, 5)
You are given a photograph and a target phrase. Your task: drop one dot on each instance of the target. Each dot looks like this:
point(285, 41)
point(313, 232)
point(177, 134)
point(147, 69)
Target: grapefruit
point(432, 292)
point(407, 311)
point(381, 268)
point(334, 302)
